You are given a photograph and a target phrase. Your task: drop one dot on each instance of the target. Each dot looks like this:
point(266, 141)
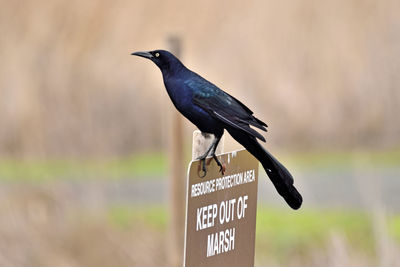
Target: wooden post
point(176, 181)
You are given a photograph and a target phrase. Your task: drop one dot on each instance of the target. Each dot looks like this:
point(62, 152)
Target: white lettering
point(227, 211)
point(222, 212)
point(198, 224)
point(242, 206)
point(206, 217)
point(221, 242)
point(203, 188)
point(210, 245)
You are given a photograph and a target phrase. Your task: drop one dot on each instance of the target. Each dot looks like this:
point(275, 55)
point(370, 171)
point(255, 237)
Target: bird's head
point(165, 60)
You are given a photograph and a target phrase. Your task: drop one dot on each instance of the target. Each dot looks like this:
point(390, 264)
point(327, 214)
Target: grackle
point(213, 110)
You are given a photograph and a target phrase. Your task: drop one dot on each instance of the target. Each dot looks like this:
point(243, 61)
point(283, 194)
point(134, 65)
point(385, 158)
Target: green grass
point(329, 160)
point(154, 165)
point(125, 217)
point(394, 227)
point(280, 232)
point(143, 165)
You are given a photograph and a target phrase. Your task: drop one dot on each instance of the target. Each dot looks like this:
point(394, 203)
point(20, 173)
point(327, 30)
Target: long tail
point(279, 175)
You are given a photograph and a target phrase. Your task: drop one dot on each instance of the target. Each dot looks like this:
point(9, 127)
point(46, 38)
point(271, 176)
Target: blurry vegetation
point(281, 230)
point(330, 160)
point(126, 217)
point(284, 236)
point(394, 227)
point(321, 74)
point(324, 75)
point(154, 165)
point(145, 165)
point(40, 228)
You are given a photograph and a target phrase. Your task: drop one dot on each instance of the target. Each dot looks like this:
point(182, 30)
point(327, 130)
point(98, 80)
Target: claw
point(203, 167)
point(222, 167)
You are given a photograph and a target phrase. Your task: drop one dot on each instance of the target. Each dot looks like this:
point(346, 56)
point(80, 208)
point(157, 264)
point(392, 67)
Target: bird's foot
point(222, 166)
point(203, 167)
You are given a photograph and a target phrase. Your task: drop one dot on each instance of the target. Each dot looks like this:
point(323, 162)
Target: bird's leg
point(203, 157)
point(212, 148)
point(221, 167)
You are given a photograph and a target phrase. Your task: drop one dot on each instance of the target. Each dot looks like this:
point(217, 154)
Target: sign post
point(221, 212)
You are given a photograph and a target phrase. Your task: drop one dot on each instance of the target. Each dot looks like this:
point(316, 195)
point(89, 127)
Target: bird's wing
point(225, 107)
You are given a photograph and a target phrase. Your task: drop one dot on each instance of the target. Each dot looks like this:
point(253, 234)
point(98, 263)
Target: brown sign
point(221, 212)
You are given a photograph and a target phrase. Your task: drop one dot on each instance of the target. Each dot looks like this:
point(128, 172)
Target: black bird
point(213, 110)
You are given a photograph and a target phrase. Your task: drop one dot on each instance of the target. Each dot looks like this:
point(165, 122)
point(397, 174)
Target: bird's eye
point(157, 54)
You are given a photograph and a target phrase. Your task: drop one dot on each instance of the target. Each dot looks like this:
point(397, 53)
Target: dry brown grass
point(41, 226)
point(322, 74)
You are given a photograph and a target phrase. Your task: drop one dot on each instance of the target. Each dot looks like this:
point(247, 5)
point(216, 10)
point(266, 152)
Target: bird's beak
point(143, 54)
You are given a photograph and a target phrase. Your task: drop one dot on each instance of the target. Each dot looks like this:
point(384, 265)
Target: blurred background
point(83, 125)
